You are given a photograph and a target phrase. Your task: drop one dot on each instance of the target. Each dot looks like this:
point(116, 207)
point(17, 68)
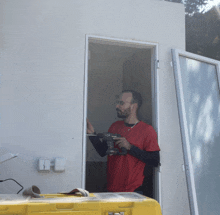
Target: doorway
point(112, 66)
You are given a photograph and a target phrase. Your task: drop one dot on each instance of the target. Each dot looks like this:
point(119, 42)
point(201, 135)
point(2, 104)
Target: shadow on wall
point(137, 76)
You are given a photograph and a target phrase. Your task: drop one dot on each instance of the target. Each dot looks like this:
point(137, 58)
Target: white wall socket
point(43, 165)
point(59, 164)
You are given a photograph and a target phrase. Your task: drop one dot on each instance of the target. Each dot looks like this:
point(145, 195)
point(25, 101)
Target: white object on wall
point(7, 156)
point(59, 164)
point(43, 165)
point(47, 165)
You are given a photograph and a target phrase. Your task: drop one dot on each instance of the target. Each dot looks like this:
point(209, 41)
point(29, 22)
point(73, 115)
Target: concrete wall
point(42, 47)
point(41, 91)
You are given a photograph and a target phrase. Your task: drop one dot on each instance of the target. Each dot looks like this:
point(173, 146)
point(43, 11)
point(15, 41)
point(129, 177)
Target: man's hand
point(122, 142)
point(90, 129)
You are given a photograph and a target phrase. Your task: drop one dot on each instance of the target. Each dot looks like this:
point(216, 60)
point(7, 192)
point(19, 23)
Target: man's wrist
point(130, 147)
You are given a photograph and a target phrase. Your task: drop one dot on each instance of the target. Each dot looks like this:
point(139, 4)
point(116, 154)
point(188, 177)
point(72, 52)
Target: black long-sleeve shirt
point(150, 158)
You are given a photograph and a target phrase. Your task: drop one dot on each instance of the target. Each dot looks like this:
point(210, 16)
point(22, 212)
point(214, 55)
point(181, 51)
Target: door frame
point(155, 97)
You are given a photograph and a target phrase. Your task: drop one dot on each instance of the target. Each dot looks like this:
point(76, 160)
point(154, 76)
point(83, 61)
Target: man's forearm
point(151, 158)
point(101, 147)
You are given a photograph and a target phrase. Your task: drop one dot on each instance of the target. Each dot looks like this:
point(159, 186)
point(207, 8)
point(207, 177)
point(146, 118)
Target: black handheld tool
point(109, 138)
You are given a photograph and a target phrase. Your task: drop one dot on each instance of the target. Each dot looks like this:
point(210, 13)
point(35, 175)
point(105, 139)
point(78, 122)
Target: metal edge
point(85, 114)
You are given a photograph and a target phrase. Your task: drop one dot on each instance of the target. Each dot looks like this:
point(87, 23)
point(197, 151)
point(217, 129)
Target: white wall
point(42, 45)
point(41, 113)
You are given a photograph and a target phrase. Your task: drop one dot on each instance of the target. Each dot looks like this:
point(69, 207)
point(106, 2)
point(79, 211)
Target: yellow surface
point(46, 196)
point(132, 204)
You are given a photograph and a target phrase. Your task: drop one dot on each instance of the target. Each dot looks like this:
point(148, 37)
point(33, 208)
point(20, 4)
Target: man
point(125, 173)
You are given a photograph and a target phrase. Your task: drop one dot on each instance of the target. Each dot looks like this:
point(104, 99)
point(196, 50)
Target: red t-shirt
point(125, 172)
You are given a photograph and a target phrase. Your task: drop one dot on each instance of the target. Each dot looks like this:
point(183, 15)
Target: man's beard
point(123, 114)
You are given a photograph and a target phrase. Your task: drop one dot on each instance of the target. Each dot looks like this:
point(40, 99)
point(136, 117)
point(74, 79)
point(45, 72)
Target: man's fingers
point(90, 128)
point(89, 131)
point(120, 145)
point(88, 123)
point(117, 142)
point(118, 138)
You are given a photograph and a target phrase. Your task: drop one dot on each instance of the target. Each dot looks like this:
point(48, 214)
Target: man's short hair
point(136, 97)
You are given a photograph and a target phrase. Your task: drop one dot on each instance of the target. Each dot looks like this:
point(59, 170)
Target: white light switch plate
point(59, 164)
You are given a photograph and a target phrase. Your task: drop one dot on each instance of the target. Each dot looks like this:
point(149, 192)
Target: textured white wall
point(42, 46)
point(42, 71)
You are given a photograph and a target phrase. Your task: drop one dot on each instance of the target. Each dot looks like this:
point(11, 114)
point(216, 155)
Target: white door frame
point(155, 91)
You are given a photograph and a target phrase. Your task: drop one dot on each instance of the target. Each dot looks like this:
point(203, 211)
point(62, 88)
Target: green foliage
point(203, 34)
point(202, 29)
point(191, 6)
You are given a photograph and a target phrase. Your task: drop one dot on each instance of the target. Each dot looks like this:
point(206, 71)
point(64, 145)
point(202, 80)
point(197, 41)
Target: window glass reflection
point(201, 100)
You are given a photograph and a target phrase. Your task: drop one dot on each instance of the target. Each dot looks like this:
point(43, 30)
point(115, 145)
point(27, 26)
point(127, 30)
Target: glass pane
point(201, 100)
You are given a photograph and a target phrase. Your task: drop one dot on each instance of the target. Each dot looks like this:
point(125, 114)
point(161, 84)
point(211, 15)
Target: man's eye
point(119, 102)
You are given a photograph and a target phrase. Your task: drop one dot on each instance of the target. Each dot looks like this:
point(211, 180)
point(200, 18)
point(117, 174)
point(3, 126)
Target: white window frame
point(176, 53)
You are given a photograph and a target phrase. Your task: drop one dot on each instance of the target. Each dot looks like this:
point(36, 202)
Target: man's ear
point(134, 107)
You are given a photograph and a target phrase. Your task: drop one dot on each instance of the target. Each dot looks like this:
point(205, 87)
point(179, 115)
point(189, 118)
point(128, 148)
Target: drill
point(109, 138)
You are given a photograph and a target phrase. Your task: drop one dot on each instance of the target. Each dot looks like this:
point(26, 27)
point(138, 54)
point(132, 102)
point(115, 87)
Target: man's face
point(123, 106)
